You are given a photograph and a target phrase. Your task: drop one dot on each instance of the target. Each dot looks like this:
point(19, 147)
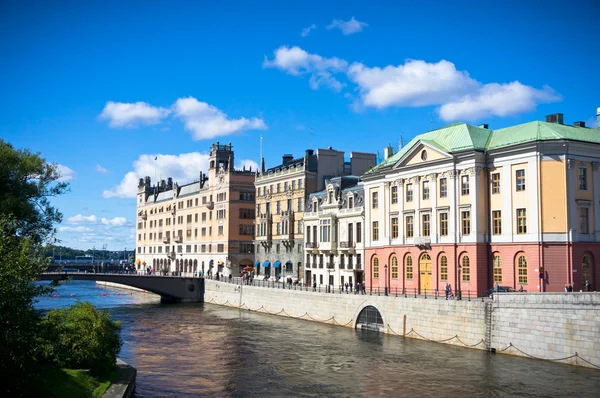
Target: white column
point(533, 212)
point(433, 196)
point(571, 204)
point(474, 193)
point(506, 190)
point(453, 220)
point(595, 209)
point(401, 230)
point(417, 200)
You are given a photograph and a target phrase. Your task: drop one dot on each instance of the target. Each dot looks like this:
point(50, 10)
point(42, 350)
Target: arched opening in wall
point(185, 266)
point(370, 319)
point(195, 266)
point(425, 273)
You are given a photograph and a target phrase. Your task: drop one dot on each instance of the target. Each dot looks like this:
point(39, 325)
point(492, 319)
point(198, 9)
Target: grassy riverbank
point(74, 383)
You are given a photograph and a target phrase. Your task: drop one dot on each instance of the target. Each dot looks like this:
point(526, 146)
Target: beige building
point(281, 194)
point(206, 225)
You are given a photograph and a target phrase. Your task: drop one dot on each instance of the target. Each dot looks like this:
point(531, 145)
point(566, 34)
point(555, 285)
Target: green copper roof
point(461, 136)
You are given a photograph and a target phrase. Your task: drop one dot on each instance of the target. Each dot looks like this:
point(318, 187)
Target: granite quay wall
point(550, 326)
point(449, 321)
point(120, 286)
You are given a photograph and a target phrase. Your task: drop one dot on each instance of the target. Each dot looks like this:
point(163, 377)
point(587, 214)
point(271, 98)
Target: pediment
point(422, 152)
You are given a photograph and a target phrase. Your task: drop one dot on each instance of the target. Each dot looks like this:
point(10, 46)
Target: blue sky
point(102, 88)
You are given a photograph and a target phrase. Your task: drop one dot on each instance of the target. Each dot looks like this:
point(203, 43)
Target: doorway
point(425, 273)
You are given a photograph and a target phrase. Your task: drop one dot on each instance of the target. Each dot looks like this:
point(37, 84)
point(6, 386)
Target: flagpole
point(155, 182)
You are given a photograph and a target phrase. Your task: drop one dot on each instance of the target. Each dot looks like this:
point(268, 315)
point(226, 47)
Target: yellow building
point(206, 225)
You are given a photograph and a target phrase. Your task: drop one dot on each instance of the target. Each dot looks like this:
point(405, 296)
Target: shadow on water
point(196, 350)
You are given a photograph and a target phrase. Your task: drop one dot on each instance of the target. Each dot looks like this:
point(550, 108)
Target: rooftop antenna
point(400, 143)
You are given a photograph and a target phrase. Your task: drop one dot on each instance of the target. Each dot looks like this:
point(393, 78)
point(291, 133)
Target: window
point(394, 227)
point(375, 268)
point(464, 185)
point(497, 222)
point(350, 202)
point(299, 204)
point(497, 265)
point(443, 187)
point(409, 192)
point(520, 180)
point(220, 230)
point(278, 187)
point(584, 220)
point(522, 269)
point(495, 183)
point(299, 184)
point(375, 200)
point(278, 207)
point(358, 232)
point(221, 214)
point(582, 178)
point(466, 222)
point(220, 248)
point(325, 230)
point(443, 268)
point(394, 267)
point(521, 221)
point(409, 226)
point(425, 190)
point(394, 194)
point(466, 269)
point(285, 186)
point(443, 224)
point(375, 230)
point(586, 269)
point(408, 264)
point(426, 221)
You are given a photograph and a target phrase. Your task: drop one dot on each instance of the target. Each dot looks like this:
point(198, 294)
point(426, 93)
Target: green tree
point(27, 182)
point(19, 322)
point(81, 337)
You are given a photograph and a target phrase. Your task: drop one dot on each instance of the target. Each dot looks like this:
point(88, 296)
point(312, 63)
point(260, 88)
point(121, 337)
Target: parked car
point(501, 289)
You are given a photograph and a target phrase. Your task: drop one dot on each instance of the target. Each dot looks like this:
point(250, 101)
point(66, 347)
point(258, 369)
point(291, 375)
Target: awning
point(267, 264)
point(289, 263)
point(257, 264)
point(277, 264)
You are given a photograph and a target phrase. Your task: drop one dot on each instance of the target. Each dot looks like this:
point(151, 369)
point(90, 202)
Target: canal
point(193, 350)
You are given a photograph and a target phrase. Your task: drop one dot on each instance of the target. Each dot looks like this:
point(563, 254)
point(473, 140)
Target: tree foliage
point(27, 182)
point(81, 337)
point(19, 322)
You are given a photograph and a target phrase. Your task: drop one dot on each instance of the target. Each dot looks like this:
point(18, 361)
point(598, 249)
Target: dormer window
point(330, 197)
point(350, 202)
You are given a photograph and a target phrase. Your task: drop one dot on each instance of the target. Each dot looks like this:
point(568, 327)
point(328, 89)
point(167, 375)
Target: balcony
point(166, 239)
point(320, 265)
point(210, 205)
point(311, 245)
point(172, 255)
point(357, 266)
point(178, 239)
point(423, 241)
point(330, 265)
point(144, 216)
point(328, 246)
point(347, 245)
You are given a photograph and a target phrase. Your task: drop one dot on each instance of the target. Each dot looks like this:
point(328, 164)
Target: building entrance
point(425, 273)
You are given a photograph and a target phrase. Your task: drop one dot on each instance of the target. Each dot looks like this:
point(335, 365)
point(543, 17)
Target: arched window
point(497, 268)
point(586, 269)
point(409, 267)
point(466, 269)
point(443, 268)
point(522, 268)
point(375, 267)
point(394, 267)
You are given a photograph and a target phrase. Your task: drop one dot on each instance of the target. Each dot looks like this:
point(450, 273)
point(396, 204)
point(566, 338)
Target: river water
point(196, 350)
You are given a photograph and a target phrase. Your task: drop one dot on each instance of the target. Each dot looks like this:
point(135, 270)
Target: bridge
point(172, 289)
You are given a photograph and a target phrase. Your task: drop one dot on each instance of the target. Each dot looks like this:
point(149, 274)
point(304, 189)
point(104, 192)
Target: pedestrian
point(588, 286)
point(356, 288)
point(346, 287)
point(566, 287)
point(363, 288)
point(314, 286)
point(447, 289)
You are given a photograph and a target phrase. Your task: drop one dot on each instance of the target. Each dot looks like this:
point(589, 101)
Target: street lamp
point(385, 279)
point(93, 253)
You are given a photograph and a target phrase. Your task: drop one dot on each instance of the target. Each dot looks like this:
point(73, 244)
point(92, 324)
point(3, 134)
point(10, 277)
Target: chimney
point(387, 152)
point(579, 124)
point(287, 158)
point(262, 165)
point(556, 118)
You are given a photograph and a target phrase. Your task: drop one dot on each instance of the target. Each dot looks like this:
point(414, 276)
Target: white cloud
point(248, 164)
point(306, 31)
point(497, 100)
point(348, 27)
point(205, 121)
point(66, 174)
point(297, 62)
point(115, 222)
point(80, 219)
point(101, 169)
point(182, 168)
point(74, 229)
point(415, 83)
point(121, 114)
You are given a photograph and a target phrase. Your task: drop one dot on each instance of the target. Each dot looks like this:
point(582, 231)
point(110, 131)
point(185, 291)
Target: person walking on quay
point(314, 286)
point(346, 286)
point(356, 288)
point(363, 288)
point(588, 286)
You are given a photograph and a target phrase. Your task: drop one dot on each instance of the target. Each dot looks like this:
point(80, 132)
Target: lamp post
point(458, 292)
point(94, 252)
point(385, 279)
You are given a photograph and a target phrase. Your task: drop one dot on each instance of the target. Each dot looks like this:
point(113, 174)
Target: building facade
point(281, 194)
point(474, 208)
point(334, 220)
point(205, 225)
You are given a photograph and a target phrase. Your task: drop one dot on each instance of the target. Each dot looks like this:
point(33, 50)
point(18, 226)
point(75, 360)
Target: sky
point(103, 88)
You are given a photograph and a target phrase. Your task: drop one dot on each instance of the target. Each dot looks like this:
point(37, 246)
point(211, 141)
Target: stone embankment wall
point(456, 322)
point(563, 326)
point(120, 286)
point(548, 326)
